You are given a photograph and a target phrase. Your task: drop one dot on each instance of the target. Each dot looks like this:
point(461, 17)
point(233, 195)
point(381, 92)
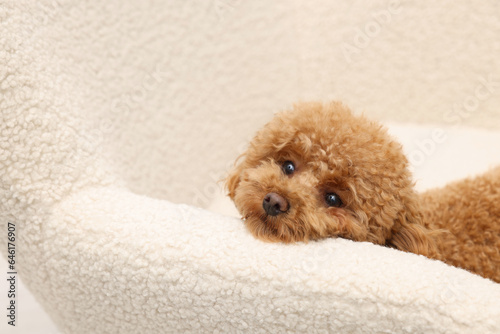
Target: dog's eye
point(332, 199)
point(288, 167)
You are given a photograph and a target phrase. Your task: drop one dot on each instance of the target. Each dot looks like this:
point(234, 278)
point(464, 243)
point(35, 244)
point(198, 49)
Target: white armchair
point(109, 120)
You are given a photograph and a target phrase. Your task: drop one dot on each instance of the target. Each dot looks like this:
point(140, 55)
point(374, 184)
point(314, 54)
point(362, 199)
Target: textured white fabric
point(109, 108)
point(127, 263)
point(210, 73)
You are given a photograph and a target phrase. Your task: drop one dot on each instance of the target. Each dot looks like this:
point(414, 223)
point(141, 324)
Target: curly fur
point(335, 151)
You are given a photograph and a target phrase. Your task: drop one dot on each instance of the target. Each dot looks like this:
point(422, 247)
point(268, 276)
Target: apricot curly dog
point(318, 171)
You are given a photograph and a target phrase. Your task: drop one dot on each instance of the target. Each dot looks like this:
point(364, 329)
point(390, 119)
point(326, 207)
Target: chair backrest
point(170, 92)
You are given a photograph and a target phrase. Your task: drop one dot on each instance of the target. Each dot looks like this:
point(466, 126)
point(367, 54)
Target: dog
point(318, 171)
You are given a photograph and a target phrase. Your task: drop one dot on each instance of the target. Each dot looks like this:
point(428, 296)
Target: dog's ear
point(233, 179)
point(409, 234)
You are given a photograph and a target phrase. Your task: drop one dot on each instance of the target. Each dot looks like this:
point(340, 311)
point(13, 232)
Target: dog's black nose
point(274, 204)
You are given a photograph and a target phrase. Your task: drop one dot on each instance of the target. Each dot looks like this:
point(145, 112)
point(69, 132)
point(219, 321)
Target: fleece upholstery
point(143, 72)
point(112, 114)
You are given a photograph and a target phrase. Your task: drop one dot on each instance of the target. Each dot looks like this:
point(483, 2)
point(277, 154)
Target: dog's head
point(318, 171)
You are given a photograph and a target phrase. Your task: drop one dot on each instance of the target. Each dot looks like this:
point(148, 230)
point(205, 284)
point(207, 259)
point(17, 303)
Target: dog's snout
point(275, 204)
